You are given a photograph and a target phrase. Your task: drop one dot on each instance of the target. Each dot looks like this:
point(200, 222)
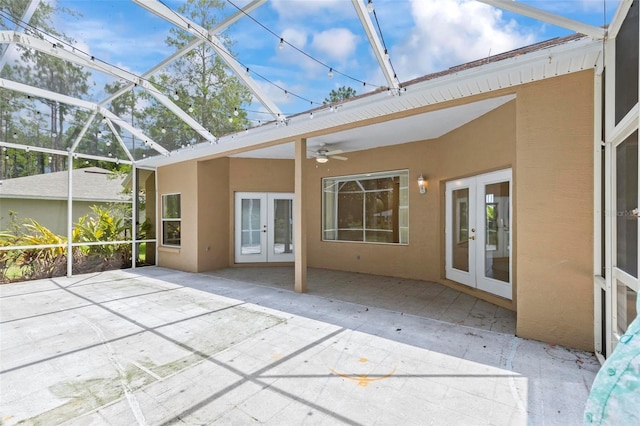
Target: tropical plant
point(34, 262)
point(101, 226)
point(44, 255)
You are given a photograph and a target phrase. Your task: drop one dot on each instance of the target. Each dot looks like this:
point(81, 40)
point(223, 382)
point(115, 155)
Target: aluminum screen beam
point(189, 47)
point(26, 17)
point(204, 35)
point(41, 93)
point(378, 50)
point(90, 62)
point(551, 18)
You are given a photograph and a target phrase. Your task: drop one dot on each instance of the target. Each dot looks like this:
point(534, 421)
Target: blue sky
point(422, 36)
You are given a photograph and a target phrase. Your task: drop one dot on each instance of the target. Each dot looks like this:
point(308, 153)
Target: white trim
point(476, 277)
point(599, 284)
point(618, 18)
point(173, 219)
point(461, 276)
point(266, 230)
point(625, 127)
point(374, 41)
point(626, 278)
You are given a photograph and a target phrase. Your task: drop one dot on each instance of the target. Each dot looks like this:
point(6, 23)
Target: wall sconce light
point(422, 185)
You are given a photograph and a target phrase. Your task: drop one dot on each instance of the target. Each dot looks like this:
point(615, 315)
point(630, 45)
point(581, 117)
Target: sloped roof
point(352, 128)
point(89, 184)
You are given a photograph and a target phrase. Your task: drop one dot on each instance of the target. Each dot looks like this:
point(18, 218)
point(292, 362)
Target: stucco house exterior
point(43, 197)
point(513, 178)
point(511, 152)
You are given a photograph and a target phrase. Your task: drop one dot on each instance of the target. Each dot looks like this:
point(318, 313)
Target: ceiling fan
point(322, 154)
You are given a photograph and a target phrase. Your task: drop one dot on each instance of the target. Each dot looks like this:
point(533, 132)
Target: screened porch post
point(299, 229)
point(70, 214)
point(134, 214)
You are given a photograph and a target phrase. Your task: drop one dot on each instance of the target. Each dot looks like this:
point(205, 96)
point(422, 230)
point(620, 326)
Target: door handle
point(473, 237)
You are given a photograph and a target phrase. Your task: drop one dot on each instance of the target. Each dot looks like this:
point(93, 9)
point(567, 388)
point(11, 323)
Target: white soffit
point(419, 127)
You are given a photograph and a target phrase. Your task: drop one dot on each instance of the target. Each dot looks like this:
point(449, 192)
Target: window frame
point(164, 220)
point(402, 209)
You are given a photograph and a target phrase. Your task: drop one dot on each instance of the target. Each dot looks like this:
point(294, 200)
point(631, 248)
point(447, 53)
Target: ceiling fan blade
point(337, 157)
point(335, 151)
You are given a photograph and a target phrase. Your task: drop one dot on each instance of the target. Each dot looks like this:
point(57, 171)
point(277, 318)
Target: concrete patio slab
point(155, 346)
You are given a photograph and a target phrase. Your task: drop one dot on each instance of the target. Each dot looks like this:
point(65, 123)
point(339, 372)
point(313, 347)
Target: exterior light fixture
point(422, 185)
point(370, 6)
point(330, 73)
point(281, 45)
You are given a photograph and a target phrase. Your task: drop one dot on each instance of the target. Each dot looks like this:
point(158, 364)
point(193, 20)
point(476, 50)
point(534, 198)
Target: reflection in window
point(372, 207)
point(627, 203)
point(171, 218)
point(626, 306)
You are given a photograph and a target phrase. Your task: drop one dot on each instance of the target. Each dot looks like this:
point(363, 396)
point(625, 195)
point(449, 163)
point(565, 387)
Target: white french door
point(478, 233)
point(263, 227)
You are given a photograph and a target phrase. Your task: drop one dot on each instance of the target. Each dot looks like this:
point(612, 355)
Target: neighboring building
point(44, 197)
point(512, 156)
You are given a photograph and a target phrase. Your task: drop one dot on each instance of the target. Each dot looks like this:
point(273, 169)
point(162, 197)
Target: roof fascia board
point(189, 47)
point(89, 62)
point(203, 34)
point(35, 91)
point(378, 50)
point(298, 125)
point(551, 18)
point(618, 18)
point(26, 17)
point(585, 45)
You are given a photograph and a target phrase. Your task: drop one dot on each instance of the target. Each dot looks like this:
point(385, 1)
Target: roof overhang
point(380, 113)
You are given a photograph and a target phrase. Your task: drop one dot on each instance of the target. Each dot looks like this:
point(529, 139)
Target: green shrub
point(34, 263)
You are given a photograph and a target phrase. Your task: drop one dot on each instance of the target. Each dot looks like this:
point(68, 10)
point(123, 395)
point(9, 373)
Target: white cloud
point(335, 44)
point(295, 37)
point(452, 32)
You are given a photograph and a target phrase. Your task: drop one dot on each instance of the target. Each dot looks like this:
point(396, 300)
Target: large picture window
point(372, 208)
point(171, 218)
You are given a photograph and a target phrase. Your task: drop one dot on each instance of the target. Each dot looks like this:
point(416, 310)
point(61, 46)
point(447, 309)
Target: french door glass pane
point(460, 234)
point(497, 219)
point(250, 226)
point(283, 226)
point(626, 202)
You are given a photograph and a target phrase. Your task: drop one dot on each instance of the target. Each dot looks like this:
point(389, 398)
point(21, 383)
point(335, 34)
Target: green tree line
point(199, 81)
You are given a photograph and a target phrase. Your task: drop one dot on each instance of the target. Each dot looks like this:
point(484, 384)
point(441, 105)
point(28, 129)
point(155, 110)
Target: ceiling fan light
point(322, 159)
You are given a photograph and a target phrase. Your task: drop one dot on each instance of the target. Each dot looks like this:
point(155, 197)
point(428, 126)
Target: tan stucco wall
point(545, 135)
point(214, 210)
point(485, 144)
point(554, 178)
point(180, 178)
